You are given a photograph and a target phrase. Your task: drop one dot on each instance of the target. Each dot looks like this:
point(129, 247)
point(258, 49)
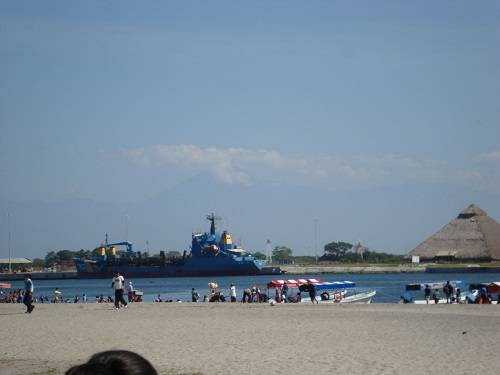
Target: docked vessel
point(212, 254)
point(328, 292)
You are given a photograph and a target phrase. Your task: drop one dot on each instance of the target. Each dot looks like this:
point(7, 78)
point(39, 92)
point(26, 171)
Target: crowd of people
point(453, 295)
point(249, 295)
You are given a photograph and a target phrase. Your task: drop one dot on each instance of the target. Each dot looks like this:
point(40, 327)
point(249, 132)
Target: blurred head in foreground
point(114, 362)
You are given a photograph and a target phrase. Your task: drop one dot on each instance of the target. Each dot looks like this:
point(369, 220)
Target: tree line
point(342, 252)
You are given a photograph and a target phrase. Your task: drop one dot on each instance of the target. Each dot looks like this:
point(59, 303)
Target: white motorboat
point(465, 295)
point(327, 292)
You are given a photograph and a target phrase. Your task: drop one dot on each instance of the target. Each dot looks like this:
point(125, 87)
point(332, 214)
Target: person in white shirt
point(130, 291)
point(57, 295)
point(117, 284)
point(233, 293)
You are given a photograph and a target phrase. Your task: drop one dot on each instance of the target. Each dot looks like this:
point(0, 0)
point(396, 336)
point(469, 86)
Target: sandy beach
point(185, 338)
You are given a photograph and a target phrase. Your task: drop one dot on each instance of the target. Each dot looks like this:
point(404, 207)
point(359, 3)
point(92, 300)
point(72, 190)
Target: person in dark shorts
point(28, 293)
point(118, 283)
point(312, 291)
point(435, 296)
point(427, 293)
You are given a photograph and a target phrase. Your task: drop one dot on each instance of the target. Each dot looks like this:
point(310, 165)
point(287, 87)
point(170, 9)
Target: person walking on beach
point(28, 293)
point(233, 293)
point(312, 291)
point(458, 297)
point(117, 283)
point(427, 293)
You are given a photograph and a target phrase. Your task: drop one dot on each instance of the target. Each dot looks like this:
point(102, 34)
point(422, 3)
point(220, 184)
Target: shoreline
point(298, 270)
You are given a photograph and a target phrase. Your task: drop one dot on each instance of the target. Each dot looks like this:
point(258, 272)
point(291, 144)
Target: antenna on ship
point(212, 219)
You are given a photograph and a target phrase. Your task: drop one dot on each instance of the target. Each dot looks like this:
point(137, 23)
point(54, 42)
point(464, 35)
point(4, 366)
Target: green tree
point(281, 253)
point(65, 255)
point(336, 250)
point(38, 263)
point(51, 258)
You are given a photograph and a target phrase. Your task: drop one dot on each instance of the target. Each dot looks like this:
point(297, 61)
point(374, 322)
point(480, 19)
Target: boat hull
point(363, 298)
point(190, 268)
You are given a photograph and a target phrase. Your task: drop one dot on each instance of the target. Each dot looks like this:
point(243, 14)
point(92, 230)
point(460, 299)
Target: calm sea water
point(389, 287)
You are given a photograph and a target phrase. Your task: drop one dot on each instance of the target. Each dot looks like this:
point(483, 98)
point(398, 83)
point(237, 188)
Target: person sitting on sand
point(119, 362)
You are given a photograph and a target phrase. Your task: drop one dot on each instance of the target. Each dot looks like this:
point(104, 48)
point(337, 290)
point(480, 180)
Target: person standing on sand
point(448, 291)
point(233, 293)
point(28, 293)
point(284, 292)
point(195, 296)
point(130, 291)
point(117, 283)
point(312, 292)
point(57, 296)
point(427, 293)
point(435, 296)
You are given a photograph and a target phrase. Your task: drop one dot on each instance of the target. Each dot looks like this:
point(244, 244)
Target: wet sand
point(185, 338)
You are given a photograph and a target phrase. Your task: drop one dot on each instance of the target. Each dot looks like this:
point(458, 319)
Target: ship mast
point(212, 219)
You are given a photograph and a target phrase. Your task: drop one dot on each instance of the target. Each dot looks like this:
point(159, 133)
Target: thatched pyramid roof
point(472, 234)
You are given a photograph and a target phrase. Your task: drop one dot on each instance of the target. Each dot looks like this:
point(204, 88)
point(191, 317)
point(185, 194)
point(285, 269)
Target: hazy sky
point(117, 101)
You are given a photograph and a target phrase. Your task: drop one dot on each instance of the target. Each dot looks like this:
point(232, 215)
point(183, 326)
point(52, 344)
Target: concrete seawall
point(39, 276)
point(350, 269)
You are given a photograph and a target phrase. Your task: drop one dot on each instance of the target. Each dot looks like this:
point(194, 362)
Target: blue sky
point(118, 103)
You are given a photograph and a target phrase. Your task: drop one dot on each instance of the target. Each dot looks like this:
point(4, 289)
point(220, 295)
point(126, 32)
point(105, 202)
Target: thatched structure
point(471, 235)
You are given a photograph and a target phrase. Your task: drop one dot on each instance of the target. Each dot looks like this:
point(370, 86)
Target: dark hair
point(114, 362)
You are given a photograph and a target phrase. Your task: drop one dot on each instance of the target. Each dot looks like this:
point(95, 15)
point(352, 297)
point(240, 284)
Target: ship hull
point(191, 268)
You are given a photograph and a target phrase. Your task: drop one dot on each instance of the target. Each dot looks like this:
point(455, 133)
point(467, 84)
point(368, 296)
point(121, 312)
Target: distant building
point(16, 263)
point(471, 235)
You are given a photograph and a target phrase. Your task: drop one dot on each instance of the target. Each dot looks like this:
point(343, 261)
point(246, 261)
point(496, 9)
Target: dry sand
point(185, 338)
